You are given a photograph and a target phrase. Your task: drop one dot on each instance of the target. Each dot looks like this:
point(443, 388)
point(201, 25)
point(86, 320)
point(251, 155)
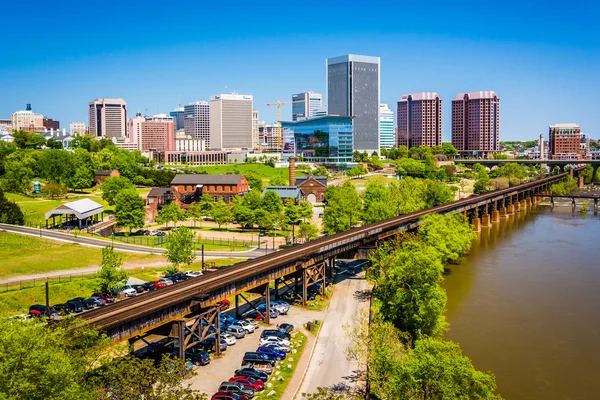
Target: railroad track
point(147, 303)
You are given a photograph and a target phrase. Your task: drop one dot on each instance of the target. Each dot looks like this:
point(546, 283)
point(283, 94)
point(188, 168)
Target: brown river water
point(525, 304)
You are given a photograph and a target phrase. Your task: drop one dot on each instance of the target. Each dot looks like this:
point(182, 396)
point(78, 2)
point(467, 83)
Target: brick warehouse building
point(221, 187)
point(565, 142)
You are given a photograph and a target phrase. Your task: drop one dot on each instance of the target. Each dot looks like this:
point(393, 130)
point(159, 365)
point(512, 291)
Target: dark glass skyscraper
point(353, 90)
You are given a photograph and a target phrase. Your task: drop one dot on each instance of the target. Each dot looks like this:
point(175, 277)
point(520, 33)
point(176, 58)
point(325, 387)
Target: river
point(525, 304)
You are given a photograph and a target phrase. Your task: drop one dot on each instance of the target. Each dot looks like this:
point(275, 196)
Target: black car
point(40, 310)
point(139, 288)
point(90, 303)
point(237, 388)
point(197, 356)
point(149, 286)
point(78, 299)
point(174, 278)
point(76, 306)
point(252, 373)
point(210, 344)
point(63, 309)
point(275, 332)
point(258, 358)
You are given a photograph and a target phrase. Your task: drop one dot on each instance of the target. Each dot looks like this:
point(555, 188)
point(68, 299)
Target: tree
point(407, 195)
point(10, 212)
point(254, 181)
point(221, 213)
point(344, 208)
point(359, 170)
point(412, 167)
point(28, 140)
point(124, 162)
point(17, 176)
point(308, 231)
point(56, 165)
point(480, 186)
point(321, 171)
point(54, 190)
point(278, 180)
point(129, 210)
point(113, 186)
point(449, 234)
point(272, 202)
point(587, 173)
point(206, 204)
point(194, 212)
point(170, 213)
point(54, 144)
point(84, 170)
point(242, 213)
point(438, 194)
point(180, 247)
point(449, 150)
point(263, 219)
point(111, 275)
point(376, 203)
point(253, 199)
point(305, 209)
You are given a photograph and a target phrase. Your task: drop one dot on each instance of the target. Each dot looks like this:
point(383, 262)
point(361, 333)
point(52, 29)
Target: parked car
point(166, 281)
point(129, 291)
point(160, 284)
point(237, 331)
point(245, 325)
point(271, 352)
point(285, 328)
point(254, 314)
point(150, 286)
point(91, 302)
point(228, 338)
point(252, 322)
point(106, 297)
point(275, 332)
point(273, 340)
point(99, 302)
point(267, 367)
point(278, 347)
point(252, 373)
point(209, 344)
point(253, 357)
point(281, 308)
point(63, 309)
point(193, 274)
point(173, 278)
point(224, 304)
point(139, 288)
point(39, 310)
point(248, 381)
point(19, 317)
point(76, 306)
point(197, 356)
point(227, 396)
point(237, 388)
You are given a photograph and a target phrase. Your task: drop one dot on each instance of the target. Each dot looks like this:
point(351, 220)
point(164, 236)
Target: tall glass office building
point(325, 139)
point(353, 90)
point(178, 117)
point(305, 105)
point(387, 132)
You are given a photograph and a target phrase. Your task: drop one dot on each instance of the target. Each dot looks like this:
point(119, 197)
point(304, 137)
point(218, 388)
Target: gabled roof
point(80, 208)
point(206, 179)
point(159, 192)
point(285, 192)
point(302, 179)
point(104, 172)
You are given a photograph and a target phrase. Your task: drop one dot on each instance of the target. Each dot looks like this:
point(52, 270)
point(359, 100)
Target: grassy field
point(265, 171)
point(23, 255)
point(285, 369)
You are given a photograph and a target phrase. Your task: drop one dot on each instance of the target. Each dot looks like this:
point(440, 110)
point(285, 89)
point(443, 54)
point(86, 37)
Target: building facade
point(564, 142)
point(178, 115)
point(420, 120)
point(322, 139)
point(189, 144)
point(255, 137)
point(230, 121)
point(306, 104)
point(150, 135)
point(476, 123)
point(27, 120)
point(107, 118)
point(196, 121)
point(49, 123)
point(220, 187)
point(77, 128)
point(353, 91)
point(387, 132)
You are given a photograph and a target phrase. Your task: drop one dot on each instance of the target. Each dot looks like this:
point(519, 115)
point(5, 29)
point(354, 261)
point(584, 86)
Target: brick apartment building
point(565, 142)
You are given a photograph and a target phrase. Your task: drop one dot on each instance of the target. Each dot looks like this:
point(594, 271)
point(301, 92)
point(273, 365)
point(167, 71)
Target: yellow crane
point(278, 104)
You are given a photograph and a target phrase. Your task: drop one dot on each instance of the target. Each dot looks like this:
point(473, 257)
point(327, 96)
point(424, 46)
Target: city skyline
point(514, 54)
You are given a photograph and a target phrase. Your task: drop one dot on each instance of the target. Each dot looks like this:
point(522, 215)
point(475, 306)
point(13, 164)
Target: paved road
point(93, 242)
point(328, 367)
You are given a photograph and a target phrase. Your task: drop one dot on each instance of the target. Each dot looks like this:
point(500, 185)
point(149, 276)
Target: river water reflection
point(525, 304)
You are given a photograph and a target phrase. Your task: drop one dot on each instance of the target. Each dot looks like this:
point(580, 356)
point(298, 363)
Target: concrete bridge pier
point(528, 201)
point(495, 216)
point(517, 206)
point(503, 213)
point(510, 209)
point(476, 223)
point(486, 220)
point(523, 205)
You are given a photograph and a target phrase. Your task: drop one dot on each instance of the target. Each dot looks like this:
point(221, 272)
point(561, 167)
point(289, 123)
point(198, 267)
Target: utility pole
point(203, 257)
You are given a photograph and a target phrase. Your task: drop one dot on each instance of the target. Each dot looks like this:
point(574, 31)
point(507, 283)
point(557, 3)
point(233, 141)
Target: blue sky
point(541, 58)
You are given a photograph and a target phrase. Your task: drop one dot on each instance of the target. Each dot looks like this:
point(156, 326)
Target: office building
point(196, 121)
point(77, 128)
point(51, 124)
point(27, 120)
point(184, 143)
point(476, 124)
point(107, 118)
point(6, 124)
point(353, 91)
point(230, 121)
point(387, 132)
point(151, 135)
point(255, 137)
point(420, 120)
point(322, 139)
point(267, 134)
point(162, 118)
point(305, 105)
point(178, 115)
point(564, 142)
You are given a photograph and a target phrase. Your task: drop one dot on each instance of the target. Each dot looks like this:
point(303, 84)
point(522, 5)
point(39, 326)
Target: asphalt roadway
point(93, 242)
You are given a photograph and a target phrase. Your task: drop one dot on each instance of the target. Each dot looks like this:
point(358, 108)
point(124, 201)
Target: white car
point(129, 291)
point(281, 308)
point(193, 274)
point(248, 327)
point(166, 281)
point(228, 338)
point(274, 340)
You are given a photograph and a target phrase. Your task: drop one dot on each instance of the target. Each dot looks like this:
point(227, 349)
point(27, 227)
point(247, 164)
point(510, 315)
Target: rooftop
point(285, 192)
point(205, 179)
point(488, 94)
point(159, 192)
point(80, 208)
point(354, 58)
point(564, 126)
point(421, 96)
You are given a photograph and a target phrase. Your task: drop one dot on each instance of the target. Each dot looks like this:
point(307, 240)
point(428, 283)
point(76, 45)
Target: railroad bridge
point(552, 164)
point(188, 311)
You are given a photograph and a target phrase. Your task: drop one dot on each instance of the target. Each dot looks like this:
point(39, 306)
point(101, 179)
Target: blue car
point(271, 352)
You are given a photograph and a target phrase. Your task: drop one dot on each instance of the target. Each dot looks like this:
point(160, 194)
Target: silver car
point(237, 331)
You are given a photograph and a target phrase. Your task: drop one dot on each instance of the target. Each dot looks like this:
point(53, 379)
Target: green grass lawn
point(265, 171)
point(23, 255)
point(286, 368)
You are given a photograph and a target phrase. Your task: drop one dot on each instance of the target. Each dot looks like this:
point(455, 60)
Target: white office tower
point(196, 121)
point(107, 118)
point(230, 121)
point(306, 105)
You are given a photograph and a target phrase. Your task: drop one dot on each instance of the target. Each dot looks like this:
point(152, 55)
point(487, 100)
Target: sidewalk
point(293, 387)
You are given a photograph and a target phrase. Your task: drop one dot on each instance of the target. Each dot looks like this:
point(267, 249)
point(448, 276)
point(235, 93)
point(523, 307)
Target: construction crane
point(278, 104)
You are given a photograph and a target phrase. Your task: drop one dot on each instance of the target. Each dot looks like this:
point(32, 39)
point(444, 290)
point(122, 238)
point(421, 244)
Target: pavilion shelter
point(83, 213)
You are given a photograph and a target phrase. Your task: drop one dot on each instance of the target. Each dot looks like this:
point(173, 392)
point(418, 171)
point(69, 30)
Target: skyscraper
point(255, 138)
point(230, 121)
point(108, 118)
point(306, 104)
point(476, 123)
point(420, 120)
point(387, 133)
point(196, 121)
point(178, 117)
point(27, 120)
point(353, 90)
point(152, 135)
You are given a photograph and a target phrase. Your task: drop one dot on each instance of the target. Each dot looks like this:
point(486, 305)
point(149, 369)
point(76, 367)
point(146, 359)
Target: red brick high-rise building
point(476, 123)
point(420, 120)
point(565, 142)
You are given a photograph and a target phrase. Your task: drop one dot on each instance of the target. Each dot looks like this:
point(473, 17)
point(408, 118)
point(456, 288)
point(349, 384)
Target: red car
point(227, 396)
point(159, 284)
point(106, 297)
point(249, 382)
point(224, 304)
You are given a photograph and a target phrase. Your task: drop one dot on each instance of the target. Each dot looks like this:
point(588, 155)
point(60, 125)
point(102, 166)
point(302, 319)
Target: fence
point(39, 282)
point(160, 241)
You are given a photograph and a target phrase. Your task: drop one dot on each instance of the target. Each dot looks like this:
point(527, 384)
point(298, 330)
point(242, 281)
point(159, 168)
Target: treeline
point(502, 177)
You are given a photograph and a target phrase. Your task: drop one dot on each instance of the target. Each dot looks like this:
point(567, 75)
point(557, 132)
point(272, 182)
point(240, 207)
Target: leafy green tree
point(221, 213)
point(321, 171)
point(587, 173)
point(308, 231)
point(407, 195)
point(124, 161)
point(206, 204)
point(56, 165)
point(438, 194)
point(278, 180)
point(344, 208)
point(242, 213)
point(412, 167)
point(82, 142)
point(254, 181)
point(480, 171)
point(449, 234)
point(359, 170)
point(54, 144)
point(194, 212)
point(253, 199)
point(449, 150)
point(291, 211)
point(376, 203)
point(170, 213)
point(111, 187)
point(83, 177)
point(272, 202)
point(129, 210)
point(10, 212)
point(511, 170)
point(28, 140)
point(111, 276)
point(180, 248)
point(263, 219)
point(480, 186)
point(17, 176)
point(375, 162)
point(54, 190)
